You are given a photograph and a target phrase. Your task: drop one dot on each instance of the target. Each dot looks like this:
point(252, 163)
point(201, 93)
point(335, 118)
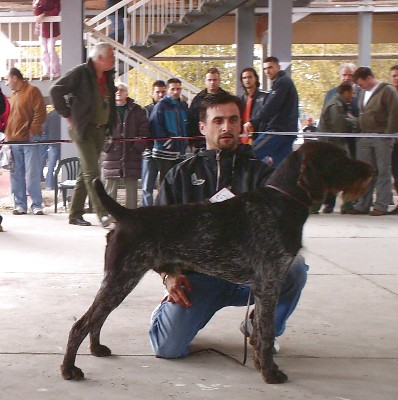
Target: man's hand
point(176, 285)
point(39, 18)
point(248, 128)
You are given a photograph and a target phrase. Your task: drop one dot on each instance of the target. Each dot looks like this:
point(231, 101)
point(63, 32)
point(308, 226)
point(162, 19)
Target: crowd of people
point(102, 111)
point(236, 151)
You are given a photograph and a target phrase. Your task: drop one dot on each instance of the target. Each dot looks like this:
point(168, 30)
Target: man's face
point(222, 127)
point(121, 95)
point(365, 84)
point(158, 93)
point(346, 75)
point(394, 78)
point(249, 81)
point(212, 82)
point(174, 90)
point(107, 61)
point(347, 94)
point(12, 82)
point(271, 69)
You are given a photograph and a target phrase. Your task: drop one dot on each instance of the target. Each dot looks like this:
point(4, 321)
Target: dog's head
point(326, 167)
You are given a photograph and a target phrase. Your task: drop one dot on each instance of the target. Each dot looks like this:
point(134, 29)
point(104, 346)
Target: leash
point(246, 336)
point(288, 195)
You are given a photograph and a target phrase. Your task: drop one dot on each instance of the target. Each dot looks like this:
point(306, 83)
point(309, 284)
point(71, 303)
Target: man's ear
point(202, 128)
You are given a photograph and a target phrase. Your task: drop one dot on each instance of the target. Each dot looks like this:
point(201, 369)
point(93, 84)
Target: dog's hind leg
point(109, 296)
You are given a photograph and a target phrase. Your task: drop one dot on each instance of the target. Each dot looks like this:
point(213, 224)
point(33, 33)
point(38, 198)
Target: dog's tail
point(112, 206)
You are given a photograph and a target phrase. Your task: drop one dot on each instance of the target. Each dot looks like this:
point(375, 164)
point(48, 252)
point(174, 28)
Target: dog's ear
point(310, 176)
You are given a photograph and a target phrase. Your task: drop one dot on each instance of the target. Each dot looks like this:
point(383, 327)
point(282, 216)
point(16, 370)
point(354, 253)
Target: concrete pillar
point(72, 53)
point(280, 32)
point(245, 30)
point(365, 38)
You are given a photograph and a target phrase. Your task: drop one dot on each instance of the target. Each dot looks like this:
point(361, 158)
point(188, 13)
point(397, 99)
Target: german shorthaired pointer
point(260, 231)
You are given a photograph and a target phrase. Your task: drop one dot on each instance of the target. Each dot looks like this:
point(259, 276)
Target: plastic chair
point(71, 167)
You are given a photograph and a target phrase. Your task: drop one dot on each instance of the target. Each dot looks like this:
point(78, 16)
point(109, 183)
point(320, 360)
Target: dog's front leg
point(264, 336)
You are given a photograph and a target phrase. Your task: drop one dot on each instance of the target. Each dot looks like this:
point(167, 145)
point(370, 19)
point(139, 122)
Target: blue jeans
point(173, 327)
point(54, 155)
point(278, 147)
point(26, 175)
point(148, 179)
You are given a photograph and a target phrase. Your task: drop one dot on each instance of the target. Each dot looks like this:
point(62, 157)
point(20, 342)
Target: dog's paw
point(274, 376)
point(100, 351)
point(72, 373)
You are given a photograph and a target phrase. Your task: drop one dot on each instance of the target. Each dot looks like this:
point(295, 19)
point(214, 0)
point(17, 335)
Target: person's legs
point(89, 151)
point(394, 166)
point(365, 152)
point(131, 185)
point(53, 57)
point(17, 175)
point(118, 26)
point(173, 327)
point(290, 293)
point(276, 147)
point(111, 187)
point(148, 180)
point(383, 149)
point(32, 165)
point(45, 56)
point(54, 155)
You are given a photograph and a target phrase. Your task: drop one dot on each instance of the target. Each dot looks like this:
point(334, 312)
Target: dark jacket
point(195, 180)
point(259, 99)
point(335, 119)
point(79, 86)
point(169, 119)
point(193, 113)
point(50, 8)
point(124, 159)
point(280, 111)
point(354, 103)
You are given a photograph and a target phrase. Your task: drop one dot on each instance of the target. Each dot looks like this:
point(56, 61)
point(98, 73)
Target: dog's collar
point(288, 195)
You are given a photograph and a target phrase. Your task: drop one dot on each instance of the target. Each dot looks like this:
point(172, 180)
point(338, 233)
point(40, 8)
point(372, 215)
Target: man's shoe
point(37, 211)
point(328, 209)
point(378, 213)
point(354, 211)
point(248, 331)
point(79, 221)
point(106, 220)
point(18, 210)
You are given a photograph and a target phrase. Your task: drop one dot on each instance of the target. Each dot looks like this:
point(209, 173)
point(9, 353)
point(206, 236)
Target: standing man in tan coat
point(27, 116)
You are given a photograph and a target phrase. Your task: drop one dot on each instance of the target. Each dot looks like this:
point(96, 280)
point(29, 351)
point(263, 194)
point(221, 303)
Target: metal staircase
point(151, 26)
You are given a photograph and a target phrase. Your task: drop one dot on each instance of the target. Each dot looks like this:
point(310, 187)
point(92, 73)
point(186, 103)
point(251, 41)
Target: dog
point(260, 231)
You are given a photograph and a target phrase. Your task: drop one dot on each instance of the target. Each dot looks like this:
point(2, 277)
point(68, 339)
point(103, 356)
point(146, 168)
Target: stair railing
point(143, 18)
point(20, 47)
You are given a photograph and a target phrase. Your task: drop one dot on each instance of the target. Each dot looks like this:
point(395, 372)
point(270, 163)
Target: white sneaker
point(37, 211)
point(106, 221)
point(18, 210)
point(248, 329)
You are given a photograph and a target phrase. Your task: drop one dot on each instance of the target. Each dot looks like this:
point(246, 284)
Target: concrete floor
point(341, 343)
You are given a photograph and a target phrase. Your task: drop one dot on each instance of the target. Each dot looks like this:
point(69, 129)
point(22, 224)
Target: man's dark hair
point(394, 67)
point(213, 70)
point(344, 87)
point(173, 80)
point(362, 73)
point(158, 83)
point(16, 72)
point(271, 59)
point(213, 100)
point(249, 69)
